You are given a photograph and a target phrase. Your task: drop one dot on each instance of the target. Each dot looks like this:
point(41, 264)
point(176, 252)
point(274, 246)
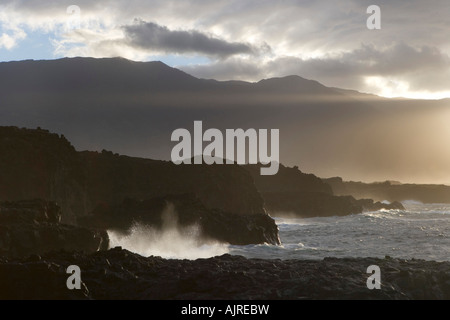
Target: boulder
point(33, 227)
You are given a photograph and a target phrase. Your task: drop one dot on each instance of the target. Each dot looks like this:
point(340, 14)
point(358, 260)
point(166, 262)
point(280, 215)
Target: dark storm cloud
point(151, 36)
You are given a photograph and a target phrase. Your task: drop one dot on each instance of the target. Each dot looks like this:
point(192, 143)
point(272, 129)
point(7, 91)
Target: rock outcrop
point(35, 164)
point(316, 204)
point(33, 227)
point(38, 164)
point(288, 180)
point(184, 211)
point(391, 191)
point(112, 178)
point(119, 274)
point(292, 193)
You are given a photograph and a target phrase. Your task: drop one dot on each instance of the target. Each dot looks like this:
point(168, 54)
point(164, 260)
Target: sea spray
point(171, 241)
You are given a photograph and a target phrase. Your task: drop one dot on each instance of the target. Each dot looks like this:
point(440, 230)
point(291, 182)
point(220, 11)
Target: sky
point(326, 40)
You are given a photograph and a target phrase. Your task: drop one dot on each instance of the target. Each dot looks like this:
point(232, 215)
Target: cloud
point(10, 41)
point(97, 44)
point(150, 36)
point(325, 40)
point(10, 35)
point(144, 39)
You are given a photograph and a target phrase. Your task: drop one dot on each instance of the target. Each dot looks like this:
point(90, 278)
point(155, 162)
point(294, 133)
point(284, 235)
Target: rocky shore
point(34, 227)
point(391, 190)
point(292, 193)
point(120, 274)
point(316, 204)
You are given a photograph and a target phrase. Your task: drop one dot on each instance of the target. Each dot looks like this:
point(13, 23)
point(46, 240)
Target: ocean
point(422, 231)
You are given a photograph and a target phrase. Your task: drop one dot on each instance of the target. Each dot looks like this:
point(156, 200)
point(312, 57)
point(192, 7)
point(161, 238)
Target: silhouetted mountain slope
point(91, 75)
point(133, 107)
point(293, 84)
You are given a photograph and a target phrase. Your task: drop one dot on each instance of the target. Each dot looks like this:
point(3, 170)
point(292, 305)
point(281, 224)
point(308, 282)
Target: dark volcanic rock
point(370, 205)
point(188, 210)
point(309, 204)
point(294, 193)
point(316, 204)
point(288, 180)
point(119, 274)
point(113, 178)
point(391, 191)
point(32, 227)
point(38, 164)
point(35, 164)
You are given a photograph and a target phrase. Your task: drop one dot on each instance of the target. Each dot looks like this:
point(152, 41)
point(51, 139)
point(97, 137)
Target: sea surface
point(422, 231)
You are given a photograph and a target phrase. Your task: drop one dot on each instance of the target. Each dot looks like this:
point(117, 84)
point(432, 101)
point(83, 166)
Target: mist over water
point(172, 241)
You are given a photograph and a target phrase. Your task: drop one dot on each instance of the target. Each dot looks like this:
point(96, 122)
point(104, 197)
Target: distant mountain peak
point(291, 79)
point(294, 84)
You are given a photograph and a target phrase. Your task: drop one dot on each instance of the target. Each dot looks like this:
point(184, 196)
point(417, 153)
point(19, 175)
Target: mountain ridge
point(158, 67)
point(133, 107)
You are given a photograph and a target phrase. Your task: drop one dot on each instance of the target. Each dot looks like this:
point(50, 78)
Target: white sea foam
point(170, 242)
point(411, 202)
point(421, 231)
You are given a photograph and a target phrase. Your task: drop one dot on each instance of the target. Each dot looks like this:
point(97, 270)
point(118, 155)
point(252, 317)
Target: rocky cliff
point(112, 178)
point(222, 200)
point(292, 193)
point(33, 227)
point(38, 164)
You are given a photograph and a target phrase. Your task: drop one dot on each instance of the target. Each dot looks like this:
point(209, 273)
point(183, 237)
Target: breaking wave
point(172, 241)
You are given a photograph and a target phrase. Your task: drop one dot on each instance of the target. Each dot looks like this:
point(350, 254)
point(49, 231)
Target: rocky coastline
point(88, 193)
point(34, 227)
point(120, 274)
